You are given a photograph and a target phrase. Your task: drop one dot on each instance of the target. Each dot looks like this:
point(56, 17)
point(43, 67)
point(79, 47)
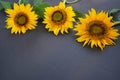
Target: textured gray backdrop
point(39, 55)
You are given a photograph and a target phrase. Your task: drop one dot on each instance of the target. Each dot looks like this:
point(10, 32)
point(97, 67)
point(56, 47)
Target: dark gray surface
point(39, 55)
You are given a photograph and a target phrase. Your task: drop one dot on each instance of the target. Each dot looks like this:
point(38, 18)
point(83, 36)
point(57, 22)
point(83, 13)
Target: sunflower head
point(96, 29)
point(21, 18)
point(59, 18)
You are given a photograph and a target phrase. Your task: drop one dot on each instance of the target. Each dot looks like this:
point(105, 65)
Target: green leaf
point(117, 23)
point(40, 9)
point(1, 8)
point(119, 18)
point(114, 11)
point(24, 1)
point(37, 2)
point(78, 14)
point(6, 5)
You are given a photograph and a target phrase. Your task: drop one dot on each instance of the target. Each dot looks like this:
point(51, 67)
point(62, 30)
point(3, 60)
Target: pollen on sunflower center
point(21, 19)
point(97, 28)
point(59, 17)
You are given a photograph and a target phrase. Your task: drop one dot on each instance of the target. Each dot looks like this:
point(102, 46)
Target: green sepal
point(39, 7)
point(6, 5)
point(78, 14)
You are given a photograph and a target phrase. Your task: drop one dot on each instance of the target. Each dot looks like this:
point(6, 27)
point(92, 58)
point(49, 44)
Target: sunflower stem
point(64, 1)
point(70, 2)
point(19, 2)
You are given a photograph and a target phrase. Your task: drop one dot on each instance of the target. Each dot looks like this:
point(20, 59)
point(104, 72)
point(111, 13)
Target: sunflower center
point(21, 19)
point(97, 28)
point(59, 17)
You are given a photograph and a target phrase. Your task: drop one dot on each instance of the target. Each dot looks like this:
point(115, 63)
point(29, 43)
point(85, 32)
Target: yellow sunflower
point(59, 18)
point(21, 18)
point(96, 29)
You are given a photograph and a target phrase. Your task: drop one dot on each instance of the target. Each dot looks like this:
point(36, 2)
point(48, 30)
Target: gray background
point(39, 55)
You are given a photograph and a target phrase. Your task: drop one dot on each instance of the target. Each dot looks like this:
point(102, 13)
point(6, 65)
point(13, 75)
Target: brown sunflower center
point(59, 17)
point(21, 19)
point(97, 28)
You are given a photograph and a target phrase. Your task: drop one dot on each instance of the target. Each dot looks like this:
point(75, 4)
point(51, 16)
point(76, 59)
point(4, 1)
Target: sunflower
point(96, 29)
point(59, 18)
point(21, 18)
